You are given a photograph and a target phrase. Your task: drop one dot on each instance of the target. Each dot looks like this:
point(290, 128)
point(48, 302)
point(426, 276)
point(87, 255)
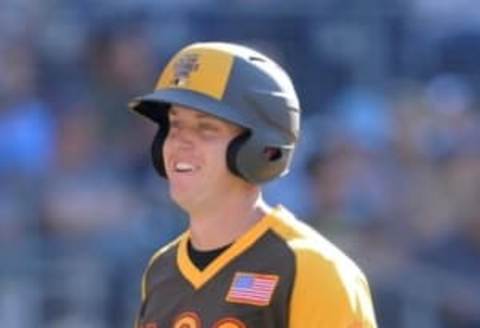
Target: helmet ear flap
point(156, 150)
point(233, 150)
point(251, 160)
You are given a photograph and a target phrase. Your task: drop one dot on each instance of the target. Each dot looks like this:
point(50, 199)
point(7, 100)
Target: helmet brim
point(155, 105)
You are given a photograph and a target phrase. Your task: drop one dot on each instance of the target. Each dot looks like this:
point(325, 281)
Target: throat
point(201, 259)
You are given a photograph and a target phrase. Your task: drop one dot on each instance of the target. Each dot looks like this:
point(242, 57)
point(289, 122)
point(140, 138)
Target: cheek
point(165, 149)
point(218, 159)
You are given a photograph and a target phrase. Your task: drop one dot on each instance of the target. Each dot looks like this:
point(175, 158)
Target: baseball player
point(228, 121)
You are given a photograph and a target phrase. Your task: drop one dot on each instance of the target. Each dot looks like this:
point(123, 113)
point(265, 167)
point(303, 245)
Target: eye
point(208, 128)
point(174, 124)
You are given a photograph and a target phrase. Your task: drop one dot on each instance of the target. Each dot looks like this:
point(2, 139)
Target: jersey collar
point(198, 278)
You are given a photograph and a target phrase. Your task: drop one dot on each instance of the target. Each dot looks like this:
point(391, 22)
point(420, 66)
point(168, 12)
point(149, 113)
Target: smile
point(185, 167)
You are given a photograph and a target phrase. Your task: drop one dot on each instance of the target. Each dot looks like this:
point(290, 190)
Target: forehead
point(181, 112)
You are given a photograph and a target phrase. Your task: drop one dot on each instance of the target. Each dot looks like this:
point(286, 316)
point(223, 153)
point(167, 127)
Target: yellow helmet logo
point(183, 68)
point(202, 70)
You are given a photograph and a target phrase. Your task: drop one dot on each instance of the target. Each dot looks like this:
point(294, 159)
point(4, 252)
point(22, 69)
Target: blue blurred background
point(388, 166)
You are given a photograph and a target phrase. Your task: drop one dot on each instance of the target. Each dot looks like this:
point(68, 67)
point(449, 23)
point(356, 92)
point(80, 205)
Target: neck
point(222, 223)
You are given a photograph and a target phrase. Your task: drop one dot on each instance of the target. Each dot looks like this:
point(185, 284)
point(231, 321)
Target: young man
point(228, 121)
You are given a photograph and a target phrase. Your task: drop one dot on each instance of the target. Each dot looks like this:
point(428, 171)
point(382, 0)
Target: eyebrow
point(203, 115)
point(173, 112)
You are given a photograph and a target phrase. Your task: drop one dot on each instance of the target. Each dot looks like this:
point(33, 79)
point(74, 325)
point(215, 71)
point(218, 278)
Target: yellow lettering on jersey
point(187, 320)
point(229, 323)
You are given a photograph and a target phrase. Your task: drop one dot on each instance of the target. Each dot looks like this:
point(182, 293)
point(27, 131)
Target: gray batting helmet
point(236, 84)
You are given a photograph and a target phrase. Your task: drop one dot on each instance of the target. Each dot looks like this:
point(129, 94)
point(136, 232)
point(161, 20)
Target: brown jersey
point(280, 273)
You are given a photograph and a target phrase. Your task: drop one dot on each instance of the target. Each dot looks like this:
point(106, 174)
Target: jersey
point(281, 273)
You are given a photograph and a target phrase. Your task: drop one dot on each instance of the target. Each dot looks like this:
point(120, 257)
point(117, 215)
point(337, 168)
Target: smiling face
point(195, 158)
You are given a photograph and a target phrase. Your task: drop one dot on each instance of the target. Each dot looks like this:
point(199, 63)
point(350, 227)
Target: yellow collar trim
point(198, 278)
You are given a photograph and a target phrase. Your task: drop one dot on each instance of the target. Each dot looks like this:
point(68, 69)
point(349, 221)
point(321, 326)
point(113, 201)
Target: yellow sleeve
point(329, 291)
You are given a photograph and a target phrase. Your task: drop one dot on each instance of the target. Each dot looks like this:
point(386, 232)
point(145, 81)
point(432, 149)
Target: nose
point(181, 136)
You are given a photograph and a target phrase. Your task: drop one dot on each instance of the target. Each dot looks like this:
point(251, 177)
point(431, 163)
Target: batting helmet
point(236, 84)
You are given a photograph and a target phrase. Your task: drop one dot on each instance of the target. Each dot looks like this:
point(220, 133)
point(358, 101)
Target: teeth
point(184, 167)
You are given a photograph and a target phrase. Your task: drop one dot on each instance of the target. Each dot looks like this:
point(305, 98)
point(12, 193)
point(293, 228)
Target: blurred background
point(388, 166)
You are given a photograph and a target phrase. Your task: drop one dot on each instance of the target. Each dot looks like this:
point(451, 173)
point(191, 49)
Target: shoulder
point(165, 252)
point(309, 246)
point(327, 282)
point(166, 249)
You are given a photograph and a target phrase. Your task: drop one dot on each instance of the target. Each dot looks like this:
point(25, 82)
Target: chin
point(185, 199)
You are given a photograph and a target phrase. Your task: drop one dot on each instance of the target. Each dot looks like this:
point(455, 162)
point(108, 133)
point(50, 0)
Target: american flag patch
point(252, 288)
